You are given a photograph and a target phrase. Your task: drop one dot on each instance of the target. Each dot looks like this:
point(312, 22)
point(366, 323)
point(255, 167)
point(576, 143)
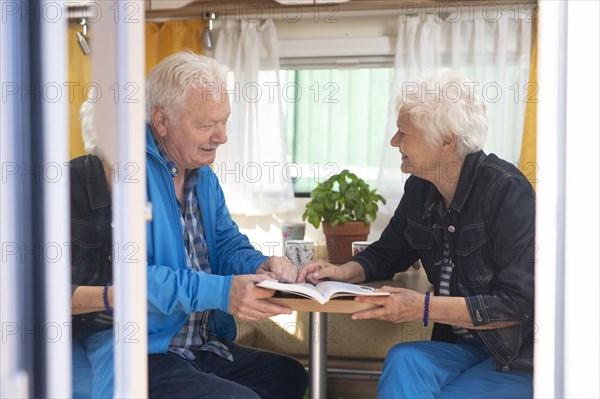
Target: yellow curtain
point(79, 76)
point(162, 40)
point(527, 161)
point(167, 38)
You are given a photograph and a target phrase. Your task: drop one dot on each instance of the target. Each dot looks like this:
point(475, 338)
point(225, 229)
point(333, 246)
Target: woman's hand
point(401, 306)
point(319, 271)
point(316, 272)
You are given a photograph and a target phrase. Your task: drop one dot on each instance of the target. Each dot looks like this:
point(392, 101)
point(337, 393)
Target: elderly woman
point(469, 217)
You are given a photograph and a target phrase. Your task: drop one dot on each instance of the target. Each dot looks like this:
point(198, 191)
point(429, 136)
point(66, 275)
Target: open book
point(322, 292)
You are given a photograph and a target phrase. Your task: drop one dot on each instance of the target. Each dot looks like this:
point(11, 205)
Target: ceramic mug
point(359, 246)
point(292, 231)
point(299, 252)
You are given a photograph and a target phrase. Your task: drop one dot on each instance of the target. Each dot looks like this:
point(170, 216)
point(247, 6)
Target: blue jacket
point(490, 226)
point(174, 291)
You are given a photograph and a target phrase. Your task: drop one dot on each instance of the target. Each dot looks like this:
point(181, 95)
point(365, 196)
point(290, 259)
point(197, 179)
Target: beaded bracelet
point(426, 310)
point(107, 309)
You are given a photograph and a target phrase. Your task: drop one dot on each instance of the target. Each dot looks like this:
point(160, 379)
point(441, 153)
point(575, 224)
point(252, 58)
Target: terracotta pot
point(339, 239)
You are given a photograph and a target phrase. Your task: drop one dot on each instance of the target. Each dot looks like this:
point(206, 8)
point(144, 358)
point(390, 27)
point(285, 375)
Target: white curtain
point(492, 45)
point(252, 166)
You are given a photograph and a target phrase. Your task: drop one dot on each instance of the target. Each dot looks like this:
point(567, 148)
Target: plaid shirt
point(193, 335)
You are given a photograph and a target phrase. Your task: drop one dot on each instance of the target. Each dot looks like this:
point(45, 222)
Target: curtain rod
point(278, 11)
point(76, 13)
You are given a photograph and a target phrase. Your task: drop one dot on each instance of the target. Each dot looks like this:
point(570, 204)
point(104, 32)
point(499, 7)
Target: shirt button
point(451, 229)
point(109, 258)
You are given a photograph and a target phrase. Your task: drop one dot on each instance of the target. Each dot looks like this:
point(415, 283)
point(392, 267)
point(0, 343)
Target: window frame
point(336, 53)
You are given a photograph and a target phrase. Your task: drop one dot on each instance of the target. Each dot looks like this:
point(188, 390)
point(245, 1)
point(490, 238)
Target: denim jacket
point(91, 231)
point(490, 227)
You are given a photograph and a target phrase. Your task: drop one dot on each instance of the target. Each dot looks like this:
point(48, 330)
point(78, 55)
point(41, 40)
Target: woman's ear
point(449, 144)
point(160, 121)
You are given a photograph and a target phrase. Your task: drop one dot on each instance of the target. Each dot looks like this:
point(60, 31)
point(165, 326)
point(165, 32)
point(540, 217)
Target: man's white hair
point(168, 82)
point(166, 86)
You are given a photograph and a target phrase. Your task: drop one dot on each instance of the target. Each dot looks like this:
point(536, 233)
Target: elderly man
point(470, 218)
point(201, 269)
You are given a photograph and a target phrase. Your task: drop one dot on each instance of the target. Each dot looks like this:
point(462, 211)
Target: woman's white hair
point(444, 102)
point(88, 131)
point(168, 82)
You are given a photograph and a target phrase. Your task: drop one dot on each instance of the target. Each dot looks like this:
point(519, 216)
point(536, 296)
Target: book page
point(305, 289)
point(333, 289)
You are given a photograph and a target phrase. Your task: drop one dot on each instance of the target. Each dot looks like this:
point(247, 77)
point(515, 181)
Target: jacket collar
point(95, 181)
point(150, 143)
point(467, 179)
point(463, 189)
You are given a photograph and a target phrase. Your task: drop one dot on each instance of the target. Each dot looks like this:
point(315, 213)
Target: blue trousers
point(93, 365)
point(82, 372)
point(431, 369)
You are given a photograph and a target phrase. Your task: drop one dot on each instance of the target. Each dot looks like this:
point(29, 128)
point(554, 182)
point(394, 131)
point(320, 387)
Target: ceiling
point(270, 8)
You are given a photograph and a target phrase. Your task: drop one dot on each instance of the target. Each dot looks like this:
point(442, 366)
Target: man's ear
point(160, 121)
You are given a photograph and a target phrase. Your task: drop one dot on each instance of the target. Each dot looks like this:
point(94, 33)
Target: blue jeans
point(254, 373)
point(82, 372)
point(442, 370)
point(93, 365)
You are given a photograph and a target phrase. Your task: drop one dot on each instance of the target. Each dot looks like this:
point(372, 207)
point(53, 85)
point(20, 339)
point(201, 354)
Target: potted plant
point(346, 206)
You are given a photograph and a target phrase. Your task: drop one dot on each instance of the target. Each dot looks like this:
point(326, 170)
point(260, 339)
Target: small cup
point(359, 246)
point(299, 252)
point(292, 231)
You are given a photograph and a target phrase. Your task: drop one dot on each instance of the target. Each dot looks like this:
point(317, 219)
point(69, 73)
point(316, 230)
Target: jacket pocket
point(421, 239)
point(470, 246)
point(87, 251)
point(470, 239)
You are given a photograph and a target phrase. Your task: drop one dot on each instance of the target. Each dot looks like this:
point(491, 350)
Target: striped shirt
point(193, 335)
point(447, 266)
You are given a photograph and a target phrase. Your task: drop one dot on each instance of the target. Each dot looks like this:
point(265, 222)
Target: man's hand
point(248, 302)
point(279, 268)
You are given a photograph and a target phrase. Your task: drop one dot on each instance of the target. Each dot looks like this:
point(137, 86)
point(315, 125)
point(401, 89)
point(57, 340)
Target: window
point(335, 119)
